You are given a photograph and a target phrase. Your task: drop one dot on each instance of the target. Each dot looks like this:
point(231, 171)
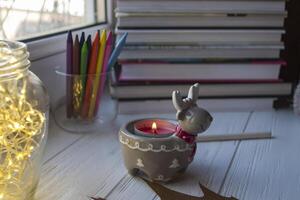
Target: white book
point(175, 20)
point(202, 37)
point(204, 6)
point(212, 105)
point(199, 72)
point(205, 90)
point(201, 52)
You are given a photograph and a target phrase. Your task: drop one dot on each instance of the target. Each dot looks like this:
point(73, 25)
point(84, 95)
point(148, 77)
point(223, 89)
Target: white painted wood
point(267, 169)
point(90, 166)
point(58, 141)
point(131, 188)
point(209, 167)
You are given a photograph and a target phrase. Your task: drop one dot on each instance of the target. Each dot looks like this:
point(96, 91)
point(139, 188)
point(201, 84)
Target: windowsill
point(55, 44)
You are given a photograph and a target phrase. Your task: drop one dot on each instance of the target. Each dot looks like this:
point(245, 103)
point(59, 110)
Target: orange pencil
point(98, 73)
point(91, 76)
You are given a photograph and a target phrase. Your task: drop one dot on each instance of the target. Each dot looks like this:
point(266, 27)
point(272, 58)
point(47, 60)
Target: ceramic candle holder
point(161, 149)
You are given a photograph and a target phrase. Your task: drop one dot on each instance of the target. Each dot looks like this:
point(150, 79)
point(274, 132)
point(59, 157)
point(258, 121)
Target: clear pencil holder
point(85, 104)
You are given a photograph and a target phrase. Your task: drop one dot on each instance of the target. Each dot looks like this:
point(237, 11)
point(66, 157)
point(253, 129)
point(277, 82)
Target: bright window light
point(23, 19)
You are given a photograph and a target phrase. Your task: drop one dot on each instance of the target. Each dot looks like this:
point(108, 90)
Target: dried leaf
point(210, 195)
point(98, 198)
point(168, 194)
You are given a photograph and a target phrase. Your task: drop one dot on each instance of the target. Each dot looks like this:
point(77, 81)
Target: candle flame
point(154, 126)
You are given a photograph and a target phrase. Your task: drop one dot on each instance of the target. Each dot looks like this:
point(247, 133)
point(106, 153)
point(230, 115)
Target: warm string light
point(21, 129)
point(77, 88)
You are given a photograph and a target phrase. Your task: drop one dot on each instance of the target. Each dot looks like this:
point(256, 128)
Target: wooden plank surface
point(58, 141)
point(209, 167)
point(267, 169)
point(79, 166)
point(87, 167)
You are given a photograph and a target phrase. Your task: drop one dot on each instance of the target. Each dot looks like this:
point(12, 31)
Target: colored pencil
point(107, 53)
point(69, 60)
point(82, 39)
point(89, 45)
point(76, 79)
point(91, 76)
point(83, 70)
point(76, 49)
point(98, 76)
point(115, 54)
point(87, 64)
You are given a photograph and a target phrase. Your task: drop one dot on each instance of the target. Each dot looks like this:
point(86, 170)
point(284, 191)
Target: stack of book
point(231, 47)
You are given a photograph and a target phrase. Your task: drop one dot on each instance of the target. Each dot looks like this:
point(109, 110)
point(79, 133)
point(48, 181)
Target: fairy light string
point(77, 90)
point(21, 130)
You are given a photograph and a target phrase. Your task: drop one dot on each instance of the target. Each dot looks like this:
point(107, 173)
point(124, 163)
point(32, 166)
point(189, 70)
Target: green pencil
point(83, 68)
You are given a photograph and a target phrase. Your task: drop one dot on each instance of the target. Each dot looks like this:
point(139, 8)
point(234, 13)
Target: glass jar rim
point(13, 57)
point(60, 73)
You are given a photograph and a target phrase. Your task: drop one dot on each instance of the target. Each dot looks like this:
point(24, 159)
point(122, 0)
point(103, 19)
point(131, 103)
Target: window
point(23, 19)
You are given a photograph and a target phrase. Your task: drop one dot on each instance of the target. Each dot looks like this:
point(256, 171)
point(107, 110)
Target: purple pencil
point(69, 61)
point(107, 52)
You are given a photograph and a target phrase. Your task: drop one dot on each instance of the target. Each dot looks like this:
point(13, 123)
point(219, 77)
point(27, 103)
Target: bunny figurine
point(163, 158)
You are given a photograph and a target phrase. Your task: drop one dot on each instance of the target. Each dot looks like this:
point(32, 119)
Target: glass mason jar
point(24, 106)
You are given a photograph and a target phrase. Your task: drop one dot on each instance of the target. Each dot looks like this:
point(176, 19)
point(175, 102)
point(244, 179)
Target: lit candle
point(154, 127)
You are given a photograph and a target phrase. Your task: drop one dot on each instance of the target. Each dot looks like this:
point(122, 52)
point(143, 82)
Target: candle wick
point(154, 131)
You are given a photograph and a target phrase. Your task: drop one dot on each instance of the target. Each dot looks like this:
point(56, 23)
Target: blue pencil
point(115, 54)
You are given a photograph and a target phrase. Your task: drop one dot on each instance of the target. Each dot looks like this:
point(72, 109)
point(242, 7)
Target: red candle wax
point(154, 128)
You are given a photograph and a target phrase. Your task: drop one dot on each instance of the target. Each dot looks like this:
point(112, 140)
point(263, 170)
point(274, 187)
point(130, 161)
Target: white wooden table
point(80, 166)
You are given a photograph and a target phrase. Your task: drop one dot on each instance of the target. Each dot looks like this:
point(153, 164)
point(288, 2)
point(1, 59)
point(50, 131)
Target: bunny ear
point(194, 92)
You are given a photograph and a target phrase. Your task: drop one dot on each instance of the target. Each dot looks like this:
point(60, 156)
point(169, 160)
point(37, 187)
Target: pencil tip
point(69, 35)
point(96, 36)
point(123, 38)
point(109, 38)
point(89, 40)
point(82, 35)
point(103, 35)
point(77, 38)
